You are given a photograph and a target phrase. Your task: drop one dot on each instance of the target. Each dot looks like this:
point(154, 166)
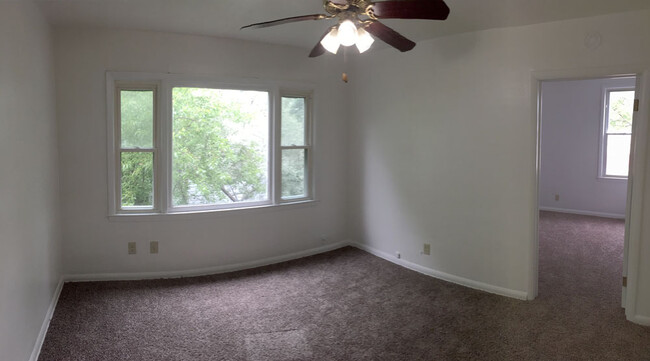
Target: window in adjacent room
point(617, 133)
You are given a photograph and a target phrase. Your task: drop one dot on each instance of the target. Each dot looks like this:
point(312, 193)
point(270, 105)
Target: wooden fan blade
point(285, 21)
point(319, 50)
point(411, 9)
point(390, 36)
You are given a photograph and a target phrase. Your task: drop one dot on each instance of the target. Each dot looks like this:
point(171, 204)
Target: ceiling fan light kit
point(331, 41)
point(347, 34)
point(364, 41)
point(358, 19)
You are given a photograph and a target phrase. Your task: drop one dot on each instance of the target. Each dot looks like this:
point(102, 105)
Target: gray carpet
point(349, 305)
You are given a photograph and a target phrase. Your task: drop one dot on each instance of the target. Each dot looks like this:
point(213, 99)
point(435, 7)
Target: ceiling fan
point(357, 19)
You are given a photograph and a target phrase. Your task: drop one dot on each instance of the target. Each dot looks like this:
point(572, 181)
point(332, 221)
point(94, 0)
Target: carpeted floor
point(349, 305)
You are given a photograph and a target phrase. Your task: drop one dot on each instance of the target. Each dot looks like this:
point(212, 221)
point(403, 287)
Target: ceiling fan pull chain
point(344, 76)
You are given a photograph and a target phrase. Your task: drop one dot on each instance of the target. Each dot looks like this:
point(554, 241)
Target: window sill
point(205, 214)
point(604, 178)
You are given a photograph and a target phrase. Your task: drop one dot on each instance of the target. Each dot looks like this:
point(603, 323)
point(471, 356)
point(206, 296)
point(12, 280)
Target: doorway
point(565, 199)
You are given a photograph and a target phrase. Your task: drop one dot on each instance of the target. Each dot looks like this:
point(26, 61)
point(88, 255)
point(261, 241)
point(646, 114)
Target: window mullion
point(276, 148)
point(164, 146)
point(116, 194)
point(156, 146)
point(309, 142)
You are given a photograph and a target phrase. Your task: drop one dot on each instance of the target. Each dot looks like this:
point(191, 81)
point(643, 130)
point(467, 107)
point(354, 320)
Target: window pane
point(137, 179)
point(294, 172)
point(621, 107)
point(219, 146)
point(618, 155)
point(293, 121)
point(136, 118)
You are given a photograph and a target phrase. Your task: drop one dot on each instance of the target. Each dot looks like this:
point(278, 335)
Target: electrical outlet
point(132, 249)
point(427, 249)
point(557, 197)
point(153, 247)
point(398, 255)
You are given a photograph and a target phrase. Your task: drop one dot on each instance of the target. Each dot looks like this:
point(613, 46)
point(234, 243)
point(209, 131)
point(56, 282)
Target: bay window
point(179, 145)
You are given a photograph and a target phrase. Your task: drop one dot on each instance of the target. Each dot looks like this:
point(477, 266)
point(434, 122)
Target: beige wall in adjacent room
point(571, 122)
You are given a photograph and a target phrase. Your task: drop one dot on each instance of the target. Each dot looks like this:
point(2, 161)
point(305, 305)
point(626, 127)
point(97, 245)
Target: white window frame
point(604, 121)
point(116, 143)
point(308, 145)
point(163, 85)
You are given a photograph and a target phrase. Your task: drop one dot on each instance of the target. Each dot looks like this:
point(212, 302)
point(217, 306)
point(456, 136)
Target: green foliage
point(219, 150)
point(621, 104)
point(211, 161)
point(136, 123)
point(293, 160)
point(293, 172)
point(137, 178)
point(137, 118)
point(293, 121)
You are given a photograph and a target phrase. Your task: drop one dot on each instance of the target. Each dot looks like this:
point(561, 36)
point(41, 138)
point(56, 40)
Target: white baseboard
point(171, 274)
point(584, 213)
point(202, 271)
point(641, 320)
point(444, 276)
point(46, 323)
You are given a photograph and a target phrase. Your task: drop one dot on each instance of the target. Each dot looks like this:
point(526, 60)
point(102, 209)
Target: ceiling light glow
point(347, 33)
point(364, 40)
point(331, 41)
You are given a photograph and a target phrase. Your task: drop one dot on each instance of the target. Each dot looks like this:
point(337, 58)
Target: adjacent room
point(192, 180)
point(585, 138)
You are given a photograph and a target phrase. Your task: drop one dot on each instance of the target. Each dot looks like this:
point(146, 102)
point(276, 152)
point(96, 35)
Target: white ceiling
point(223, 18)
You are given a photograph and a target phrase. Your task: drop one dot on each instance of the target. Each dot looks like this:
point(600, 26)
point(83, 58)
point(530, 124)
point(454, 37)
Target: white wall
point(95, 244)
point(441, 148)
point(29, 232)
point(443, 143)
point(571, 120)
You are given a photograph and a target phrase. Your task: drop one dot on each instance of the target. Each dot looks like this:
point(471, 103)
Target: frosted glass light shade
point(347, 33)
point(364, 40)
point(331, 41)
